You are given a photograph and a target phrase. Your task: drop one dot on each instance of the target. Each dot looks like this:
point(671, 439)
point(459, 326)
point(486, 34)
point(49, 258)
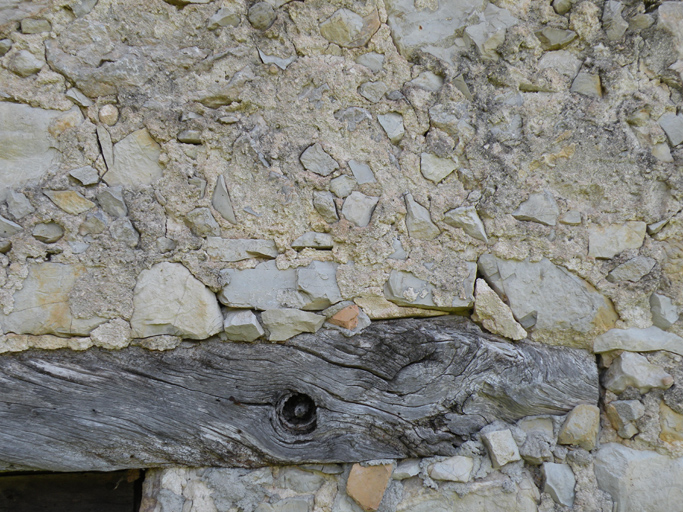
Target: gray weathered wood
point(401, 388)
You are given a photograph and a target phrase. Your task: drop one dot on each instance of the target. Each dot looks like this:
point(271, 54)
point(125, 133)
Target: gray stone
point(605, 242)
point(538, 447)
point(48, 232)
point(540, 207)
point(202, 223)
point(562, 61)
point(299, 480)
point(313, 240)
point(549, 298)
point(559, 482)
point(633, 270)
point(85, 176)
point(261, 15)
point(136, 161)
point(94, 224)
point(352, 116)
point(562, 6)
point(435, 168)
point(373, 91)
point(18, 205)
point(221, 201)
point(342, 186)
point(28, 148)
point(614, 24)
point(106, 145)
point(122, 230)
point(112, 202)
point(42, 305)
point(242, 325)
point(428, 81)
point(169, 300)
point(638, 340)
point(373, 61)
point(238, 249)
point(224, 17)
point(362, 172)
point(8, 228)
point(348, 29)
point(286, 323)
point(406, 469)
point(323, 202)
point(190, 137)
point(83, 7)
point(639, 480)
point(267, 287)
point(672, 124)
point(555, 38)
point(664, 311)
point(280, 62)
point(587, 84)
point(634, 370)
point(405, 289)
point(24, 63)
point(581, 427)
point(358, 208)
point(5, 46)
point(419, 221)
point(501, 447)
point(622, 414)
point(35, 26)
point(493, 314)
point(328, 469)
point(489, 34)
point(392, 123)
point(399, 252)
point(316, 160)
point(571, 218)
point(78, 247)
point(454, 469)
point(466, 218)
point(79, 98)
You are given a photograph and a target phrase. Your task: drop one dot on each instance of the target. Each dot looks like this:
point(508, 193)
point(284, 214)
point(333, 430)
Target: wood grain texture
point(401, 388)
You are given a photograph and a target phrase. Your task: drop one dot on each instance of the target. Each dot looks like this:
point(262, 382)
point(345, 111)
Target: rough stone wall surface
point(187, 169)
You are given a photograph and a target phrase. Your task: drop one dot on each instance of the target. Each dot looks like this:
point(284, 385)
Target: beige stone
point(671, 424)
point(366, 485)
point(379, 308)
point(109, 115)
point(136, 161)
point(70, 201)
point(494, 314)
point(581, 427)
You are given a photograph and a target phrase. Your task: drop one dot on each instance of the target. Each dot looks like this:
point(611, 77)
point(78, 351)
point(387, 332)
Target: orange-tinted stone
point(366, 485)
point(346, 318)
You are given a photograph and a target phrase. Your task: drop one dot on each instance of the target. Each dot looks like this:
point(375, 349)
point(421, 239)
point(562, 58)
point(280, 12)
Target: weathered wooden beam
point(401, 388)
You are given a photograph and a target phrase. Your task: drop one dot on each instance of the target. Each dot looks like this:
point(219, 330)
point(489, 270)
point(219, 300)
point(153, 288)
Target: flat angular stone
point(79, 98)
point(286, 323)
point(638, 340)
point(358, 208)
point(372, 60)
point(404, 289)
point(42, 305)
point(612, 21)
point(366, 485)
point(392, 123)
point(581, 427)
point(342, 186)
point(85, 175)
point(323, 202)
point(419, 221)
point(622, 414)
point(489, 34)
point(242, 325)
point(28, 148)
point(235, 249)
point(94, 224)
point(346, 318)
point(540, 207)
point(406, 469)
point(373, 91)
point(555, 38)
point(221, 201)
point(664, 312)
point(550, 299)
point(48, 232)
point(466, 218)
point(587, 84)
point(435, 168)
point(318, 282)
point(455, 469)
point(111, 200)
point(494, 314)
point(190, 137)
point(122, 230)
point(224, 17)
point(136, 161)
point(559, 482)
point(5, 46)
point(348, 29)
point(428, 81)
point(24, 64)
point(562, 61)
point(8, 228)
point(633, 270)
point(70, 201)
point(169, 300)
point(280, 62)
point(672, 124)
point(316, 160)
point(633, 477)
point(18, 205)
point(634, 370)
point(605, 242)
point(202, 223)
point(106, 145)
point(501, 447)
point(362, 172)
point(313, 240)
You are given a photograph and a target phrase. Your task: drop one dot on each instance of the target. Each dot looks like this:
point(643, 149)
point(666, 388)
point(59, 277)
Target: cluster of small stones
point(184, 169)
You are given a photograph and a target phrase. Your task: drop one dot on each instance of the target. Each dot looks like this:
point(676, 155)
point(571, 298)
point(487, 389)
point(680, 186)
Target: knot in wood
point(297, 413)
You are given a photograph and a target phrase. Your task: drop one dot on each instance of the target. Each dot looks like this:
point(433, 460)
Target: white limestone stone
point(501, 447)
point(242, 325)
point(136, 161)
point(286, 323)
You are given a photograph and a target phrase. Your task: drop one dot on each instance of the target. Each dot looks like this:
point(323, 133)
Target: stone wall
point(183, 170)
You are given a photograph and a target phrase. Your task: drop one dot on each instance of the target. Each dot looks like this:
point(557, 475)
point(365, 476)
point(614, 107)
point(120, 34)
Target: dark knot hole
point(298, 413)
